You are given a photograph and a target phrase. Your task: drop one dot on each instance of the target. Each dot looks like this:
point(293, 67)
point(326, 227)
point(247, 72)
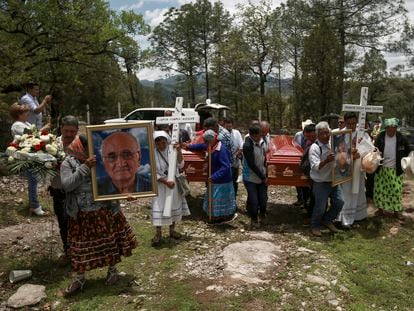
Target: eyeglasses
point(125, 155)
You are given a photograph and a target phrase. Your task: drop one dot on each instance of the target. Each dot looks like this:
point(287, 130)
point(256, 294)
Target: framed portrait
point(341, 147)
point(125, 163)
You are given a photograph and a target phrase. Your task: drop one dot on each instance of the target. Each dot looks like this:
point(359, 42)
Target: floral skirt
point(388, 190)
point(98, 239)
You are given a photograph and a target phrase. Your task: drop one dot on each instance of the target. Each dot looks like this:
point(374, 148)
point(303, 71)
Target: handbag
point(183, 185)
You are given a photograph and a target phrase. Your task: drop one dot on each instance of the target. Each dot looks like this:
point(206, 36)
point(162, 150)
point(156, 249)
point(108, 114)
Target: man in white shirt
point(36, 109)
point(321, 160)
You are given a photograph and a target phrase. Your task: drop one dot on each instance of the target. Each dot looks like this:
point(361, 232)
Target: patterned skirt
point(99, 239)
point(223, 205)
point(388, 190)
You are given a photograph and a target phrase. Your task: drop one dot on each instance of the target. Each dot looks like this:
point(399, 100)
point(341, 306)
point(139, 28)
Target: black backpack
point(304, 161)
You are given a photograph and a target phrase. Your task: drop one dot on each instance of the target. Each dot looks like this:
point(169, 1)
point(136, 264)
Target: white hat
point(162, 134)
point(307, 122)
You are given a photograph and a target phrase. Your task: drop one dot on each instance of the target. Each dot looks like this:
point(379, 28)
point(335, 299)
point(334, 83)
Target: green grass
point(370, 261)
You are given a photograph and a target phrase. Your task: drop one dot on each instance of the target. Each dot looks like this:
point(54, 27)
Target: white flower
point(10, 150)
point(48, 164)
point(23, 137)
point(17, 137)
point(51, 149)
point(10, 159)
point(25, 150)
point(45, 138)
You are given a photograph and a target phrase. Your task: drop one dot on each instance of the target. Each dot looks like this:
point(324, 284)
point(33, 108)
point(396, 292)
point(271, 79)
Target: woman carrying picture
point(20, 114)
point(179, 205)
point(388, 180)
point(98, 233)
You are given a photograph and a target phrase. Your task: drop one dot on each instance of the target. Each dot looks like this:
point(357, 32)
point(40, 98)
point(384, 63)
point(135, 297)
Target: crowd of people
point(96, 234)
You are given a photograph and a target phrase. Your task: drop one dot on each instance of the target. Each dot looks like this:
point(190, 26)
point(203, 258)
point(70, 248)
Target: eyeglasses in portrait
point(125, 163)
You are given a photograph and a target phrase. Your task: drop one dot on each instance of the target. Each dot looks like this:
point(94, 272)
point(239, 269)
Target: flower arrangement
point(38, 151)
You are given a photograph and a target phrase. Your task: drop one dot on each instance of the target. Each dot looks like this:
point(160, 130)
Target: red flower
point(44, 132)
point(15, 145)
point(38, 147)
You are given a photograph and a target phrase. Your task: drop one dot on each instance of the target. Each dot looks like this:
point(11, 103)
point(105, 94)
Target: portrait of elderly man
point(121, 155)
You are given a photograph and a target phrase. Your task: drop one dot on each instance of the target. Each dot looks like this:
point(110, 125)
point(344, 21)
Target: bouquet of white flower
point(37, 151)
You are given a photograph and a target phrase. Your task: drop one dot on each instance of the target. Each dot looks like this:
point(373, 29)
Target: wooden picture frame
point(341, 146)
point(125, 161)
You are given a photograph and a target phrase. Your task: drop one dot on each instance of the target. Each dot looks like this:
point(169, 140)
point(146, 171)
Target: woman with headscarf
point(388, 180)
point(223, 202)
point(98, 233)
point(179, 205)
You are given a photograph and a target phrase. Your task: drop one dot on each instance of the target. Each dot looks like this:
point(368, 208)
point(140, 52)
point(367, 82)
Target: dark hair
point(228, 120)
point(350, 115)
point(309, 128)
point(69, 120)
point(84, 141)
point(255, 129)
point(17, 109)
point(30, 85)
point(210, 123)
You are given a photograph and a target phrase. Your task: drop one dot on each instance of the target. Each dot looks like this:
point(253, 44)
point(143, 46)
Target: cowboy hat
point(307, 122)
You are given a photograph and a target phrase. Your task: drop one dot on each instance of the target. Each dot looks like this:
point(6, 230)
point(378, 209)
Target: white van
point(149, 114)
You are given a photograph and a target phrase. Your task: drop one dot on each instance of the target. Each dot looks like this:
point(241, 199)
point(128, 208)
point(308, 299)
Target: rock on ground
point(249, 261)
point(27, 295)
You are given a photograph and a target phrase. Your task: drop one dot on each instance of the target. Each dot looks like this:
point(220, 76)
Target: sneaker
point(37, 211)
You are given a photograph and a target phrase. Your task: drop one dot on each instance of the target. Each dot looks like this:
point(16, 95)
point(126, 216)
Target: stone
point(305, 250)
point(27, 295)
point(333, 302)
point(249, 261)
point(262, 235)
point(317, 280)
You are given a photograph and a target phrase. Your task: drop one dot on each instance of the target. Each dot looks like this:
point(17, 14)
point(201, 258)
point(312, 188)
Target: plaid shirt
point(225, 138)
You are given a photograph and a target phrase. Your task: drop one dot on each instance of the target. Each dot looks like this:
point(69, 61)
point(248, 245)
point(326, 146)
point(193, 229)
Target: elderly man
point(321, 160)
point(36, 109)
point(121, 154)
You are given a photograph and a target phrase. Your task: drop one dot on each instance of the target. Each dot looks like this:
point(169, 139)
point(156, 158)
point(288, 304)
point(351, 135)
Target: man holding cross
point(355, 204)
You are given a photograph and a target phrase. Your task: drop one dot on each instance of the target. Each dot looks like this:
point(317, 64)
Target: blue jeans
point(322, 191)
point(256, 198)
point(32, 187)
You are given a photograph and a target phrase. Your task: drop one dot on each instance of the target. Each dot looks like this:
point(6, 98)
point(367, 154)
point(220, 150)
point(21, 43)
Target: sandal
point(175, 235)
point(76, 286)
point(112, 277)
point(156, 240)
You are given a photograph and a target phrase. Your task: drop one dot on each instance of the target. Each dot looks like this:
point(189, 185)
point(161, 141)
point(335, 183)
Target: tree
point(259, 28)
point(174, 48)
point(360, 24)
point(320, 72)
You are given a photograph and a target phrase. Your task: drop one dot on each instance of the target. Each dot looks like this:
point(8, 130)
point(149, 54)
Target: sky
point(153, 11)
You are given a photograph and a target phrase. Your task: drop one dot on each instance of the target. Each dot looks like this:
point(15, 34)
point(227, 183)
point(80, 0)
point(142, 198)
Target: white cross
point(175, 120)
point(362, 108)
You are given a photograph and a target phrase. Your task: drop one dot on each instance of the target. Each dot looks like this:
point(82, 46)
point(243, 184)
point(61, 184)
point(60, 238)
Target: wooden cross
point(362, 109)
point(176, 119)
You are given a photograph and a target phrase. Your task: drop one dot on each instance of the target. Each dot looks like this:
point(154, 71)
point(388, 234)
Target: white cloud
point(154, 17)
point(152, 74)
point(134, 6)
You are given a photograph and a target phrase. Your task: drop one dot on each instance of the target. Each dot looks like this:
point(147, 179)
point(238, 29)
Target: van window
point(145, 115)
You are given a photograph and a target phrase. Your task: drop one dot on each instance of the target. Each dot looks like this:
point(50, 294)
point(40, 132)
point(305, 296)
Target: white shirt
point(390, 147)
point(32, 103)
point(18, 127)
point(315, 157)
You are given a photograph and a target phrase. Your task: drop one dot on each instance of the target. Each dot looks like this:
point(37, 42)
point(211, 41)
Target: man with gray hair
point(321, 160)
point(121, 154)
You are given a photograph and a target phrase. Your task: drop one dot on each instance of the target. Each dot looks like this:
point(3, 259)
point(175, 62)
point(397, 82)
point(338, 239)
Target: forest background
point(88, 55)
